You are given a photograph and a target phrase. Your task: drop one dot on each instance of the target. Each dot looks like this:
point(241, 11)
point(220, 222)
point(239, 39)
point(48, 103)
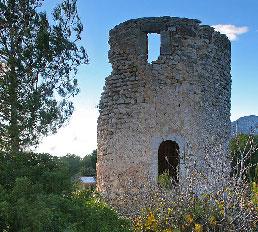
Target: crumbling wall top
point(155, 24)
point(129, 40)
point(158, 24)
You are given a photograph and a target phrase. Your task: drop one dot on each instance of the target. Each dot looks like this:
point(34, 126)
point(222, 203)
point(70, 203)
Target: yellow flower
point(169, 211)
point(212, 221)
point(138, 226)
point(151, 222)
point(189, 218)
point(151, 217)
point(168, 230)
point(198, 228)
point(168, 215)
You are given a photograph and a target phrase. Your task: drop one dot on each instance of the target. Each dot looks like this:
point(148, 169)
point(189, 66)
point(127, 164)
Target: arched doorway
point(168, 159)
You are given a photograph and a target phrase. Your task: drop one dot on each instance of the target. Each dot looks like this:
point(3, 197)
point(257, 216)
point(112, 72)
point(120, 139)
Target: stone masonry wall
point(184, 96)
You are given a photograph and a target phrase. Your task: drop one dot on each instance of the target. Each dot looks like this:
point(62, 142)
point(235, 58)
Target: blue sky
point(237, 18)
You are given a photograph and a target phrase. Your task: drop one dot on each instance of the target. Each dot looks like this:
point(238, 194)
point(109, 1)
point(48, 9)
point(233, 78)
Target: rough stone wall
point(184, 96)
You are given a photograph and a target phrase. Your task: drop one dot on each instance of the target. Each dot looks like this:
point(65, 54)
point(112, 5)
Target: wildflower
point(151, 222)
point(198, 228)
point(138, 225)
point(189, 218)
point(169, 211)
point(168, 215)
point(212, 221)
point(168, 230)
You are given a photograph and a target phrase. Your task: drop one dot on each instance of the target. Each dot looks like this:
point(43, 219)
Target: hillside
point(245, 125)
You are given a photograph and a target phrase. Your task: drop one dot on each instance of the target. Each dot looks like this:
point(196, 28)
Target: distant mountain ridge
point(245, 125)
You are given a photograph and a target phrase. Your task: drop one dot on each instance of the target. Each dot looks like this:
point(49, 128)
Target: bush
point(36, 195)
point(186, 213)
point(98, 216)
point(41, 168)
point(165, 181)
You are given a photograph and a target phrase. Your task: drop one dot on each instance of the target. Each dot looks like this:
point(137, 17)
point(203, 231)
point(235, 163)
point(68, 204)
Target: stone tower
point(150, 113)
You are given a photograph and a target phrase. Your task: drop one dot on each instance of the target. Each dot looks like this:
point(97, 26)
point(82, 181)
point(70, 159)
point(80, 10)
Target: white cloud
point(231, 31)
point(78, 137)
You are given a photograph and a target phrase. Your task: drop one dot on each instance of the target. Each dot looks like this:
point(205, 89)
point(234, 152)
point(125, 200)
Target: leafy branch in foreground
point(39, 60)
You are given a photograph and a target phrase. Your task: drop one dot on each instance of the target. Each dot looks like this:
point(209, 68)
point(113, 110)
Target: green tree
point(88, 164)
point(245, 148)
point(73, 162)
point(36, 195)
point(52, 174)
point(39, 60)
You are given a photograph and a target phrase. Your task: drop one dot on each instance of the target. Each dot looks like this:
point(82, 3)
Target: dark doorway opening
point(168, 159)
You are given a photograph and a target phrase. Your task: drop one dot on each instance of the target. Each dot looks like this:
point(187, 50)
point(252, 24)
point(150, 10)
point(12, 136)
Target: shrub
point(210, 199)
point(96, 215)
point(208, 212)
point(164, 180)
point(36, 195)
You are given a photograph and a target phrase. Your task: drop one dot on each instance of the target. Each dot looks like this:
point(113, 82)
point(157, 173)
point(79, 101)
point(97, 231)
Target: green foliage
point(245, 147)
point(80, 167)
point(45, 169)
point(38, 63)
point(98, 216)
point(88, 164)
point(208, 212)
point(73, 162)
point(164, 180)
point(255, 195)
point(36, 195)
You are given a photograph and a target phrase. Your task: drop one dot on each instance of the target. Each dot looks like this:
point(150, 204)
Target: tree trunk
point(14, 127)
point(14, 132)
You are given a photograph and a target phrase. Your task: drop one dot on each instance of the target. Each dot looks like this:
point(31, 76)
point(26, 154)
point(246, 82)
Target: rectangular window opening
point(153, 47)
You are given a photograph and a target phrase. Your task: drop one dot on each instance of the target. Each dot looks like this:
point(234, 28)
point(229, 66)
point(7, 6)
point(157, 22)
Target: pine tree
point(38, 63)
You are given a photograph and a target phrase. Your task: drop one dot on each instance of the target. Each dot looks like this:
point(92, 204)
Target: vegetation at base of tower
point(38, 63)
point(164, 180)
point(36, 194)
point(208, 212)
point(230, 206)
